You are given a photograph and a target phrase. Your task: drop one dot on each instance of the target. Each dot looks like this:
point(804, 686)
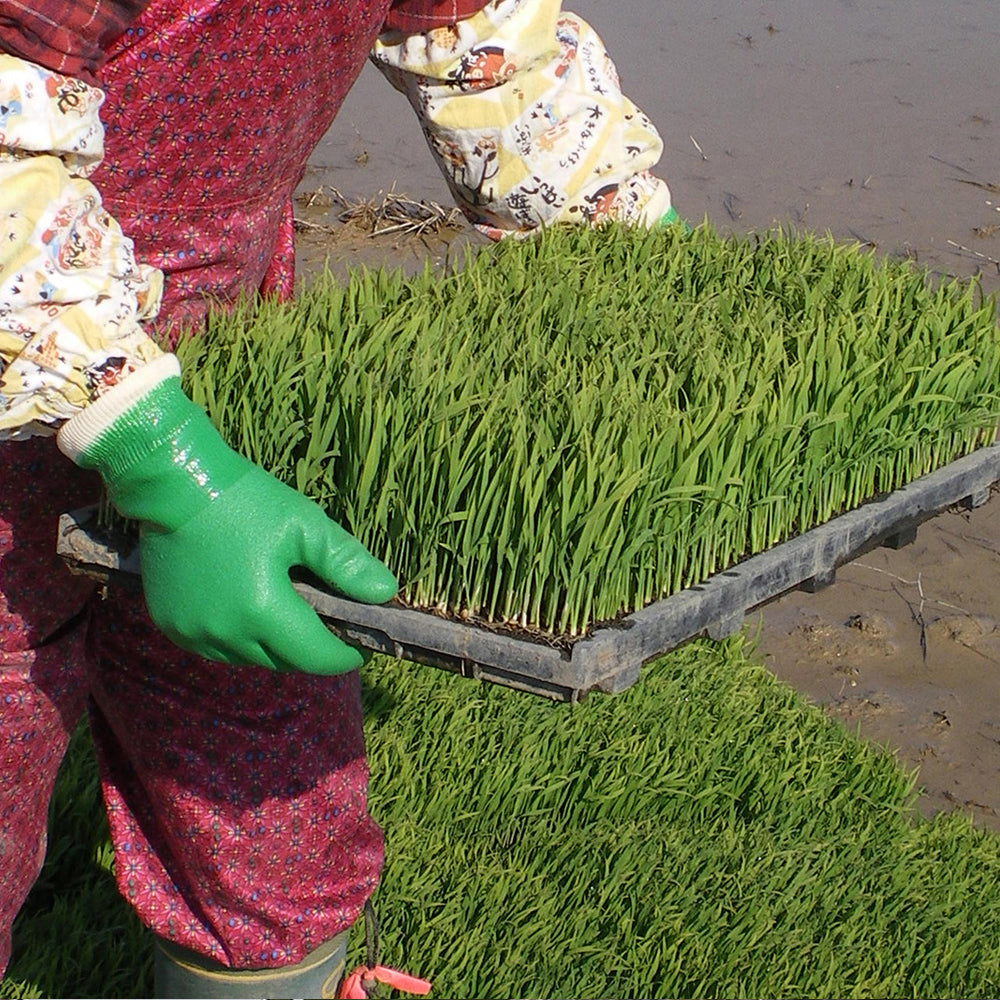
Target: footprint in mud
point(874, 627)
point(863, 634)
point(979, 633)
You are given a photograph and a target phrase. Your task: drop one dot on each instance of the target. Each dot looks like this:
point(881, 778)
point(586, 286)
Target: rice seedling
point(567, 429)
point(704, 834)
point(707, 833)
point(570, 428)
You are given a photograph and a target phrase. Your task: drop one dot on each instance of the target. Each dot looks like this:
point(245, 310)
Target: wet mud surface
point(904, 648)
point(875, 122)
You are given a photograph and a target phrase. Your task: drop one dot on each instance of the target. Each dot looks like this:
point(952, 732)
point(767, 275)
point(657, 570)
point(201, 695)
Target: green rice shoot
point(575, 426)
point(706, 833)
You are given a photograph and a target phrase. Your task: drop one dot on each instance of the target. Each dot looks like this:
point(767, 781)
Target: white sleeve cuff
point(80, 432)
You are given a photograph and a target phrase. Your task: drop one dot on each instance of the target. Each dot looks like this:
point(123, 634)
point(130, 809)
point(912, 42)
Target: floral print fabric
point(72, 296)
point(522, 107)
point(520, 103)
point(236, 797)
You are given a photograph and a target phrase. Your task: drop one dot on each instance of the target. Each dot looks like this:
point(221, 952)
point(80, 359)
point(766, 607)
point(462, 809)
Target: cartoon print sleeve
point(522, 108)
point(72, 295)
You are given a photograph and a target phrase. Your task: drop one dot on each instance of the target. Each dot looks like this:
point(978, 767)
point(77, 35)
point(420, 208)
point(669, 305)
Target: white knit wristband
point(81, 431)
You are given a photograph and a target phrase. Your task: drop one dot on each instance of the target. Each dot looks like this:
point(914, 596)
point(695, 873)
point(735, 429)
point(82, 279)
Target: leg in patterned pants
point(236, 797)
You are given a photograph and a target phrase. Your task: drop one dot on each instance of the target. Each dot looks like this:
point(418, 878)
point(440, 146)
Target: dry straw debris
point(384, 215)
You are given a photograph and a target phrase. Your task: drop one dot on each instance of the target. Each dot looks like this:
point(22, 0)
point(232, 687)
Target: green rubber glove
point(671, 218)
point(218, 536)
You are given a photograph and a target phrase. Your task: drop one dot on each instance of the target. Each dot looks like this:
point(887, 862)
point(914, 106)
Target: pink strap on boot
point(356, 986)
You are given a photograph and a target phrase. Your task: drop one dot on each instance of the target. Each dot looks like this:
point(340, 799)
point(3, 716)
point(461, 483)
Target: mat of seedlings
point(570, 428)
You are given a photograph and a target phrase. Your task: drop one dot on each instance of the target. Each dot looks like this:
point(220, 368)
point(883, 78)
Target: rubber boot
point(183, 973)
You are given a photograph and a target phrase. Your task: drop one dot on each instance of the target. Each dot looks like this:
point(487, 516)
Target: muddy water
point(878, 122)
point(875, 121)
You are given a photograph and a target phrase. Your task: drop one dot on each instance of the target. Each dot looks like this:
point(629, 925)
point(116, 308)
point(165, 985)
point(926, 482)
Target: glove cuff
point(79, 434)
point(158, 453)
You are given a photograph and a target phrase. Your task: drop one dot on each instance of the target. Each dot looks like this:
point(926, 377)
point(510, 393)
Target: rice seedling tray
point(578, 451)
point(608, 659)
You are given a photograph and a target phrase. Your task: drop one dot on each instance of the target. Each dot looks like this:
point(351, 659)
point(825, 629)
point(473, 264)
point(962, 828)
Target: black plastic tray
point(609, 659)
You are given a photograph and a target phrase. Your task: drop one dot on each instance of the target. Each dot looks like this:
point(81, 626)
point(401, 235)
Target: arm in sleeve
point(72, 296)
point(522, 108)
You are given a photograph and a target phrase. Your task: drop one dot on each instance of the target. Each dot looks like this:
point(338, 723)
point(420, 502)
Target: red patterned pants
point(236, 796)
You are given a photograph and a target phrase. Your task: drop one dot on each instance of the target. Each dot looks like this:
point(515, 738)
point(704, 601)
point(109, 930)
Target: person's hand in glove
point(218, 534)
